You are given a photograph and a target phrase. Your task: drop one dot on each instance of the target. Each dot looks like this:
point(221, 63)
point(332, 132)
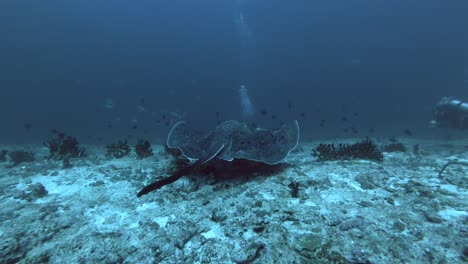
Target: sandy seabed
point(303, 211)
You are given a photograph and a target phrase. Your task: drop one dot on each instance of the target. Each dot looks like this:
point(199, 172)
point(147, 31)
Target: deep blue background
point(387, 61)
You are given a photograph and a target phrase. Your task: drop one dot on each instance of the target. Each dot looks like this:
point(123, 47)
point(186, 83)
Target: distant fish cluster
point(139, 122)
point(348, 121)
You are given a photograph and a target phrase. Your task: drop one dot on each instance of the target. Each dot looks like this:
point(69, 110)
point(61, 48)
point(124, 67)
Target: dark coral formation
point(35, 191)
point(63, 147)
point(143, 149)
point(365, 149)
point(394, 147)
point(20, 156)
point(3, 154)
point(118, 149)
point(294, 186)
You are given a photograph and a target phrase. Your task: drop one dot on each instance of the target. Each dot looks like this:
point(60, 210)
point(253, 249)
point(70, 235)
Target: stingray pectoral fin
point(210, 156)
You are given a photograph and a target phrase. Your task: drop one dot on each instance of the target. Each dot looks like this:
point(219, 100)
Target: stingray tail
point(179, 174)
point(158, 184)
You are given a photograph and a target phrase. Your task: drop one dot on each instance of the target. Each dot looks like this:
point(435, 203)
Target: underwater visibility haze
point(234, 131)
point(387, 61)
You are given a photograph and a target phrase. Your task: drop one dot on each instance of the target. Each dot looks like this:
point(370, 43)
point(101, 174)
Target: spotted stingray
point(228, 141)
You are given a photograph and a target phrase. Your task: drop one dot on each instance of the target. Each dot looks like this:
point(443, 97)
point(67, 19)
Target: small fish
point(303, 114)
point(28, 127)
point(134, 127)
point(140, 108)
point(263, 112)
point(322, 123)
point(108, 103)
point(273, 117)
point(344, 119)
point(408, 132)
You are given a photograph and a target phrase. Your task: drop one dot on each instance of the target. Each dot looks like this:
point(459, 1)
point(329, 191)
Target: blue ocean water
point(351, 145)
point(381, 64)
